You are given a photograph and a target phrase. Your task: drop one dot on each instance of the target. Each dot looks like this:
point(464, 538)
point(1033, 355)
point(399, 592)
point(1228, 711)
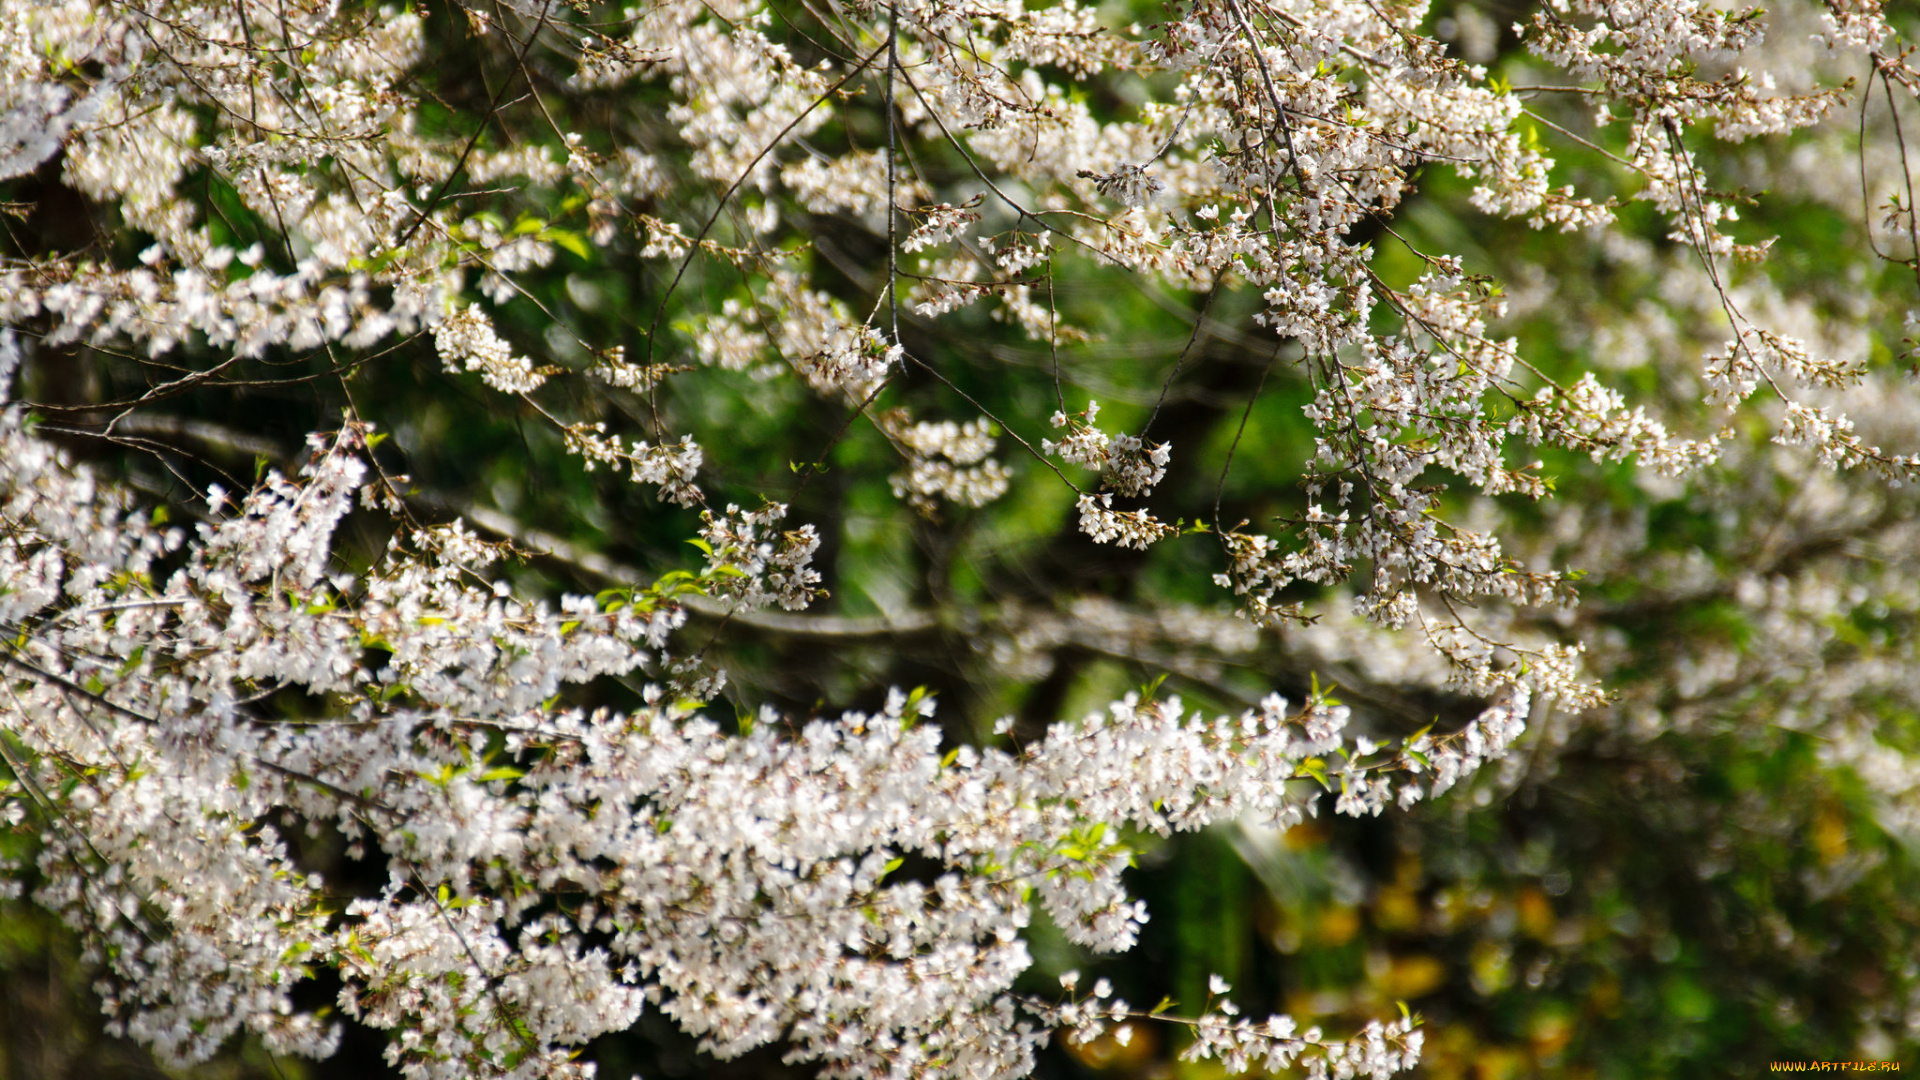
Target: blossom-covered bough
point(811, 193)
point(736, 881)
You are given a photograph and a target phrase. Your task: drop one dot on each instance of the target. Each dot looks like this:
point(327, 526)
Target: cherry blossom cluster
point(751, 564)
point(945, 461)
point(1122, 528)
point(670, 466)
point(1128, 465)
point(1238, 1043)
point(737, 882)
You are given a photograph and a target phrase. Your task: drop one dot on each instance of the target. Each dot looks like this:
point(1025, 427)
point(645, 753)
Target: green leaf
point(570, 240)
point(1317, 768)
point(1323, 697)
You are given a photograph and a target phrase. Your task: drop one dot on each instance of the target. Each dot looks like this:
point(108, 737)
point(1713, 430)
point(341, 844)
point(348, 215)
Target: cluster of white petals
point(1124, 528)
point(1128, 464)
point(671, 466)
point(738, 882)
point(750, 564)
point(945, 461)
point(1239, 1044)
point(467, 341)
